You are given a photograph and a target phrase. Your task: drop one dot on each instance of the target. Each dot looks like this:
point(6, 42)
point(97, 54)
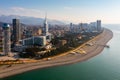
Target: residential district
point(18, 40)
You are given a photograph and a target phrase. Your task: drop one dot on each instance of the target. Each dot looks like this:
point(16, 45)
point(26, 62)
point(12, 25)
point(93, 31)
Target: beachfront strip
point(82, 53)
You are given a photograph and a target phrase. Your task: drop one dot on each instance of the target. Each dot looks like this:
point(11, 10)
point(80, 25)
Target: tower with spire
point(45, 28)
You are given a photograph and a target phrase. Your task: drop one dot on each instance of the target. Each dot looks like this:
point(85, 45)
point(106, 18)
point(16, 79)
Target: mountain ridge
point(28, 20)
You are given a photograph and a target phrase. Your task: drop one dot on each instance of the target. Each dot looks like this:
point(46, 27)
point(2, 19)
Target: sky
point(75, 11)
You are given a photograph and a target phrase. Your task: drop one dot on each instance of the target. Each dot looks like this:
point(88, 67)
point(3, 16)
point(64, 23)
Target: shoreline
point(63, 59)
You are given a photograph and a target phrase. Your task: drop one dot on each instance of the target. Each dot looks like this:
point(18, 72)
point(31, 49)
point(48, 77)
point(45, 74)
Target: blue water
point(105, 66)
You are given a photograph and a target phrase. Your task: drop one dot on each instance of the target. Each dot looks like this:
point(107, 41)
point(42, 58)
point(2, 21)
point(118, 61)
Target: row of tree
point(72, 42)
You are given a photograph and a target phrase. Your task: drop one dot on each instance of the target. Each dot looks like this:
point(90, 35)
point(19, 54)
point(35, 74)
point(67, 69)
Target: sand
point(63, 59)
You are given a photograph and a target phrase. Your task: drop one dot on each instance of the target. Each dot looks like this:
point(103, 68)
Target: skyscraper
point(46, 31)
point(71, 27)
point(16, 30)
point(6, 39)
point(98, 25)
point(45, 28)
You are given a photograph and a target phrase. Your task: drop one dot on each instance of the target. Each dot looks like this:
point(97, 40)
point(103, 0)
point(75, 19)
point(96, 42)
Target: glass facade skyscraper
point(16, 30)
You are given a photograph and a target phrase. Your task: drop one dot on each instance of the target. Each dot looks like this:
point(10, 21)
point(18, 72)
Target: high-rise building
point(81, 26)
point(1, 37)
point(46, 31)
point(16, 30)
point(45, 28)
point(71, 27)
point(6, 39)
point(98, 25)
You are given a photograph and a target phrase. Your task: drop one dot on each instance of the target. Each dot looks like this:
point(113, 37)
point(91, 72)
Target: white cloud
point(26, 12)
point(72, 14)
point(22, 12)
point(17, 9)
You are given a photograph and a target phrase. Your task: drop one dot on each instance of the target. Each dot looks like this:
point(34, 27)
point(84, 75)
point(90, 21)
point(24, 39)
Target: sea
point(105, 66)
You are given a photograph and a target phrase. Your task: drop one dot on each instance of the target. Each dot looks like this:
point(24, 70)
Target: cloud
point(72, 14)
point(26, 11)
point(18, 9)
point(22, 12)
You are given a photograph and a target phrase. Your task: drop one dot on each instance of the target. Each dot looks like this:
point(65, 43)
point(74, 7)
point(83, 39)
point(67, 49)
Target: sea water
point(105, 66)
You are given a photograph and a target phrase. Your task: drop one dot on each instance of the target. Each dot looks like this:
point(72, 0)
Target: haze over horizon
point(65, 10)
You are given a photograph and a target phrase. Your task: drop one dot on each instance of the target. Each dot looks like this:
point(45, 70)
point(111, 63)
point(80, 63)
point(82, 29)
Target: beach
point(66, 58)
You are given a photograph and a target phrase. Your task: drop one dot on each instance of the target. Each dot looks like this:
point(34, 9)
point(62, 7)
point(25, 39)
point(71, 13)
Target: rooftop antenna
point(45, 17)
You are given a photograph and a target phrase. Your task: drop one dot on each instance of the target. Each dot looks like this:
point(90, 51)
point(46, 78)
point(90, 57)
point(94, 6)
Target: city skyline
point(65, 10)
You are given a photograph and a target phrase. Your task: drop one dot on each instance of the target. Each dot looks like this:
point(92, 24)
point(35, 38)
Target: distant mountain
point(28, 20)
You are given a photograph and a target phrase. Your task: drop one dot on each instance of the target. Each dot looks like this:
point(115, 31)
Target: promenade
point(82, 53)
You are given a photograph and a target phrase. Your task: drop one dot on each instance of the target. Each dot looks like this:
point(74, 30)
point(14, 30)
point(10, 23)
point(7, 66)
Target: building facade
point(16, 30)
point(98, 25)
point(35, 40)
point(46, 31)
point(1, 37)
point(6, 39)
point(45, 27)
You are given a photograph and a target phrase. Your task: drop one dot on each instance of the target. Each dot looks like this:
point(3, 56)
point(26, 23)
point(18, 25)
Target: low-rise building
point(62, 43)
point(35, 40)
